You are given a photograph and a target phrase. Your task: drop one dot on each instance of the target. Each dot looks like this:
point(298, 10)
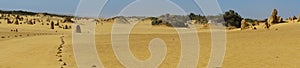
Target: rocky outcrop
point(273, 18)
point(78, 29)
point(294, 18)
point(299, 18)
point(279, 19)
point(121, 20)
point(243, 24)
point(52, 25)
point(50, 22)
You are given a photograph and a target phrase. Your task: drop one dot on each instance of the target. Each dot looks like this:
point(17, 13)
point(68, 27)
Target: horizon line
point(73, 15)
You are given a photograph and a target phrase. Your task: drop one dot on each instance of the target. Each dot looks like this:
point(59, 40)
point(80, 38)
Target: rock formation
point(299, 18)
point(78, 29)
point(52, 25)
point(267, 25)
point(121, 20)
point(66, 27)
point(279, 19)
point(294, 18)
point(68, 20)
point(243, 24)
point(17, 22)
point(273, 18)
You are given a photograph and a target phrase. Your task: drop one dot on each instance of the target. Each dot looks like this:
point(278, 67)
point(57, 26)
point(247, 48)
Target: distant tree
point(232, 19)
point(251, 20)
point(199, 18)
point(157, 22)
point(192, 16)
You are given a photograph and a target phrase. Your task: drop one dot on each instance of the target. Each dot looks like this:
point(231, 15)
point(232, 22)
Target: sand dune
point(262, 48)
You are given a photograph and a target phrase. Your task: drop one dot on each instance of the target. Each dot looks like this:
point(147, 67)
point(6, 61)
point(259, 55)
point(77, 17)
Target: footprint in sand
point(2, 36)
point(59, 59)
point(62, 64)
point(94, 66)
point(59, 53)
point(59, 49)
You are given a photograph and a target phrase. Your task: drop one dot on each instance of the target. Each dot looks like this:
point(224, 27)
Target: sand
point(262, 48)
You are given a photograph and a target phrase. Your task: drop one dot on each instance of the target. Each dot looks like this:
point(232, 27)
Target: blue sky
point(246, 8)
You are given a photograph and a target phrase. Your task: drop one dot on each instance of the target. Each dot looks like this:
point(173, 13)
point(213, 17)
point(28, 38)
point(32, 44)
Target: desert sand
point(37, 46)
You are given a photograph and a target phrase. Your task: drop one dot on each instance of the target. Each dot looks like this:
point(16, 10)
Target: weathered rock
point(17, 22)
point(299, 18)
point(256, 23)
point(279, 19)
point(273, 18)
point(8, 21)
point(66, 27)
point(78, 29)
point(243, 24)
point(52, 25)
point(288, 19)
point(267, 25)
point(66, 20)
point(121, 20)
point(294, 18)
point(275, 12)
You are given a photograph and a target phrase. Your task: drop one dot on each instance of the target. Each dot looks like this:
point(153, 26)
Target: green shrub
point(199, 18)
point(232, 19)
point(157, 22)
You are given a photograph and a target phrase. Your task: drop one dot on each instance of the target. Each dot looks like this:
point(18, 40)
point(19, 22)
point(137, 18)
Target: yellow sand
point(260, 48)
